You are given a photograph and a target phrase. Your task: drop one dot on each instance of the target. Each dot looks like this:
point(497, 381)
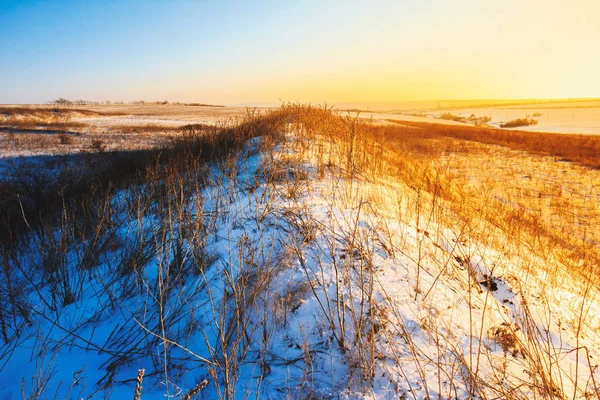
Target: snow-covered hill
point(300, 268)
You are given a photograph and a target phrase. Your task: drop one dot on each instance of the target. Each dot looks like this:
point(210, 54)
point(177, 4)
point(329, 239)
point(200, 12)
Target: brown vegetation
point(515, 123)
point(146, 128)
point(451, 117)
point(45, 118)
point(582, 149)
point(49, 111)
point(431, 177)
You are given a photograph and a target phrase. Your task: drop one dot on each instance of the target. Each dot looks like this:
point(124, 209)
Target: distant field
point(554, 118)
point(27, 130)
point(172, 114)
point(445, 105)
point(111, 115)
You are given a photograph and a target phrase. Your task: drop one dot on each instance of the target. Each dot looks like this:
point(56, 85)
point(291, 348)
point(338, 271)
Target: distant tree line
point(66, 102)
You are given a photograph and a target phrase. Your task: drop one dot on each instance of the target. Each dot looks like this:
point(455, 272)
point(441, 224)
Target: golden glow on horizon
point(511, 49)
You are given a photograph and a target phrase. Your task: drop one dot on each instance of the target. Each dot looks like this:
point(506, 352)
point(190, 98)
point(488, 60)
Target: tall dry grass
point(582, 149)
point(495, 211)
point(159, 199)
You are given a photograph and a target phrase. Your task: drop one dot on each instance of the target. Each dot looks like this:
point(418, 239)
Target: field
point(295, 252)
point(584, 120)
point(40, 130)
point(567, 117)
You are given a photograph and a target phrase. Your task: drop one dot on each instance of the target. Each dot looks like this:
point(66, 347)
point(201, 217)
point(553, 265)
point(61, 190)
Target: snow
point(354, 298)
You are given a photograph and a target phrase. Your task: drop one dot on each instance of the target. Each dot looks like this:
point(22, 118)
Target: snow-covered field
point(116, 127)
point(555, 120)
point(582, 120)
point(286, 274)
point(551, 116)
point(164, 115)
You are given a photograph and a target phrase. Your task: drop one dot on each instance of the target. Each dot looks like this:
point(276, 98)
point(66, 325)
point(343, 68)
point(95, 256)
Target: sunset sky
point(266, 51)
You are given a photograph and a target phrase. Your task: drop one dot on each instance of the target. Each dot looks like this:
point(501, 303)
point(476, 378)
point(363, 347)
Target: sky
point(352, 51)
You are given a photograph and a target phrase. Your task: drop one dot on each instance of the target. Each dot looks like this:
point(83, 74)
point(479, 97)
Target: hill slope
point(307, 255)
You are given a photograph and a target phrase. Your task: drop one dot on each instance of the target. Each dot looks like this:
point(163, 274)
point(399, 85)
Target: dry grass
point(513, 199)
point(515, 123)
point(41, 111)
point(538, 213)
point(582, 149)
point(452, 117)
point(45, 118)
point(36, 125)
point(147, 128)
point(28, 130)
point(540, 202)
point(51, 111)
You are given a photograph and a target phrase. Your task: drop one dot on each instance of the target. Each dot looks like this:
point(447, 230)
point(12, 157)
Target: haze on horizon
point(263, 52)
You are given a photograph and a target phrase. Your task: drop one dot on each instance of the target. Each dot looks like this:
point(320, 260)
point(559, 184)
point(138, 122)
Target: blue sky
point(111, 48)
point(263, 51)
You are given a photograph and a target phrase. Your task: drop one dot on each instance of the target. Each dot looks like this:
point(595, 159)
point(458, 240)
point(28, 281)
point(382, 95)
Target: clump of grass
point(479, 120)
point(202, 105)
point(145, 128)
point(515, 123)
point(452, 117)
point(66, 139)
point(472, 119)
point(98, 145)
